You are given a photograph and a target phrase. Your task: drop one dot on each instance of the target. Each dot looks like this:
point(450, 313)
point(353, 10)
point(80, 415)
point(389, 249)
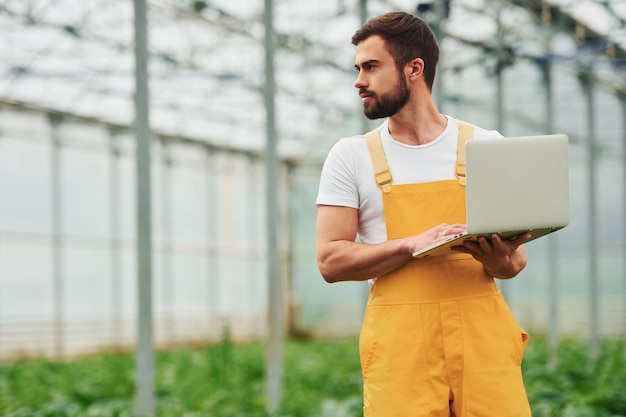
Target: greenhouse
point(211, 237)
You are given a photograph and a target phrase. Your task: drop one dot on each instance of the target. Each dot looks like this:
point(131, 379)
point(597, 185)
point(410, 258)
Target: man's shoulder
point(359, 139)
point(482, 133)
point(349, 144)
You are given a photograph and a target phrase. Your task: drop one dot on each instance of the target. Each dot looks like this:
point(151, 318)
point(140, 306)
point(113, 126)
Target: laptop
point(514, 185)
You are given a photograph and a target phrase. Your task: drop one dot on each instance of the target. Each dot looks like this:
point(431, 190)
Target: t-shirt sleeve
point(338, 186)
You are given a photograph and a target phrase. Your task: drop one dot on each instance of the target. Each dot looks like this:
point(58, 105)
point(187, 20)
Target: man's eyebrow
point(368, 62)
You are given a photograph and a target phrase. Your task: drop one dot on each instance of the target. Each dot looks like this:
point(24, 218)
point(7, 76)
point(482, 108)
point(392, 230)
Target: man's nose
point(359, 82)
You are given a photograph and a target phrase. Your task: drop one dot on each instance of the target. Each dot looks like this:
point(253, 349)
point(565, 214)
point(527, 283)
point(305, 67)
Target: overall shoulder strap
point(382, 174)
point(466, 132)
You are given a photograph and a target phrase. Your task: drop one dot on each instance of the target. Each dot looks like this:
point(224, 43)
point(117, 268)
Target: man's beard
point(390, 103)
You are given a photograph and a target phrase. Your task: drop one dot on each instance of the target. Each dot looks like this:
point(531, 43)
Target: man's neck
point(417, 126)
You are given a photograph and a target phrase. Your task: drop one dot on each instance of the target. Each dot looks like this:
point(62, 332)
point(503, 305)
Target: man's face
point(383, 89)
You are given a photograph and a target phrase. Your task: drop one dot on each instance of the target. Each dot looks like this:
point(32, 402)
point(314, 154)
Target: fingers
point(489, 245)
point(478, 247)
point(495, 245)
point(445, 229)
point(521, 239)
point(509, 245)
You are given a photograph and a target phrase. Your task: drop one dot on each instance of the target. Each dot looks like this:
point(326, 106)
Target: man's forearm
point(352, 261)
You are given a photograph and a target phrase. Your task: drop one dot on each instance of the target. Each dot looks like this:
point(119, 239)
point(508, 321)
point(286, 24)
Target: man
point(438, 338)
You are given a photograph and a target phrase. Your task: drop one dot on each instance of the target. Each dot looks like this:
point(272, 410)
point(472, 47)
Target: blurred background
point(68, 251)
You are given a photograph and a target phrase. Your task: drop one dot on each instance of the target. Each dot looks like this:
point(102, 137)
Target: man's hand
point(500, 258)
point(434, 235)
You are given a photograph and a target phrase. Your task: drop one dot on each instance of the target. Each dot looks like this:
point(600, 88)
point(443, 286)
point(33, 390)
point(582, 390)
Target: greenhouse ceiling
point(76, 58)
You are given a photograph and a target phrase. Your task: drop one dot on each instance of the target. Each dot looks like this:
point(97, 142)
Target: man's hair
point(407, 37)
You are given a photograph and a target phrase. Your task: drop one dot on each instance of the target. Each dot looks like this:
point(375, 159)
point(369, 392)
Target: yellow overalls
point(438, 338)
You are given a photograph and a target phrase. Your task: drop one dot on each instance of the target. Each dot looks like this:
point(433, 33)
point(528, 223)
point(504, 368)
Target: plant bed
point(321, 379)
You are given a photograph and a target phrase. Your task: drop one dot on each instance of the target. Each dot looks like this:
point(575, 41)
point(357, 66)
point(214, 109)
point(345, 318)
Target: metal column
point(503, 284)
point(553, 285)
point(363, 11)
point(213, 242)
point(167, 275)
point(365, 127)
point(592, 152)
point(274, 371)
point(57, 238)
point(440, 16)
point(145, 400)
point(252, 282)
point(622, 98)
point(115, 245)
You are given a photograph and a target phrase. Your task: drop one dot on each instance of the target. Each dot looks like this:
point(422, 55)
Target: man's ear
point(415, 68)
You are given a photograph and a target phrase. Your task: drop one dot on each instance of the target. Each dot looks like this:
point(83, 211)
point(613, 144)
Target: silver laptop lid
point(517, 183)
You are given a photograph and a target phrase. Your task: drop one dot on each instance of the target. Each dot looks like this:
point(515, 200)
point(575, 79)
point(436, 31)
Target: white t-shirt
point(347, 177)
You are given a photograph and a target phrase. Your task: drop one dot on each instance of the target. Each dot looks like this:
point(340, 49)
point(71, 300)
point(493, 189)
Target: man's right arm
point(340, 258)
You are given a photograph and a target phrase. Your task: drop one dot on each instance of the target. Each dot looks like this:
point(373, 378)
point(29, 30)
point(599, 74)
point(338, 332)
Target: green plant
point(321, 379)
